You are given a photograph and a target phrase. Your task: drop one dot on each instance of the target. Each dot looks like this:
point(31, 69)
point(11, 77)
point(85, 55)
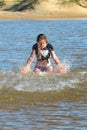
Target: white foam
point(66, 64)
point(42, 82)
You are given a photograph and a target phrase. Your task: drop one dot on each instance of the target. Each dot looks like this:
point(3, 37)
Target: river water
point(47, 101)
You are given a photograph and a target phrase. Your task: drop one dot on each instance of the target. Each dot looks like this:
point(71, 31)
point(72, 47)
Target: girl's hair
point(40, 37)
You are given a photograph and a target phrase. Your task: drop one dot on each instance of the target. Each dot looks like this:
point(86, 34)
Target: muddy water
point(47, 101)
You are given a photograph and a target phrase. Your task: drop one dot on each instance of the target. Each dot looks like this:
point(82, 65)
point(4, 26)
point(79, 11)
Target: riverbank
point(6, 15)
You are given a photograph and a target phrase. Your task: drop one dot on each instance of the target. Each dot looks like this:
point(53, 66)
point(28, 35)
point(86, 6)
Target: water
point(43, 102)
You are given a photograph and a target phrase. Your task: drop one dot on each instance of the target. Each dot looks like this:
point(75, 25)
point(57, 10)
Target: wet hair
point(40, 37)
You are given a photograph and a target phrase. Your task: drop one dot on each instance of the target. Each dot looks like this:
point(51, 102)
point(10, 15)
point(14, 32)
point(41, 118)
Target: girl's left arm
point(56, 60)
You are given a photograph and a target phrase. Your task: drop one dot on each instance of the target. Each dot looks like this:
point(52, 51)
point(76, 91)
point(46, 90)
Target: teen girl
point(43, 50)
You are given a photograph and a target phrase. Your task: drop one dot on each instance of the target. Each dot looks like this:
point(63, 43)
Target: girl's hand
point(25, 69)
point(61, 69)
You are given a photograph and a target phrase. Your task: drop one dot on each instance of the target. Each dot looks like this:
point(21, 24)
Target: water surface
point(47, 101)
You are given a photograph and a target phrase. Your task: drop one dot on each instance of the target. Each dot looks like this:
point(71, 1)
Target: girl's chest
point(45, 52)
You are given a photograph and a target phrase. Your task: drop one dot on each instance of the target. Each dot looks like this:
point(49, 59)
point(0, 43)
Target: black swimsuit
point(45, 52)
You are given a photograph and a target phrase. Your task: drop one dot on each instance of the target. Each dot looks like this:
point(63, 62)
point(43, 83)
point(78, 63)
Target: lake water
point(48, 101)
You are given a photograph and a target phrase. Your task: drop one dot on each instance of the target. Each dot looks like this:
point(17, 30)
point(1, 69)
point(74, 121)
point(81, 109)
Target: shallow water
point(47, 101)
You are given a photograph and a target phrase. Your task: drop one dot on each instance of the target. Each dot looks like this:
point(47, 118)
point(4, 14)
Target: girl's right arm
point(29, 61)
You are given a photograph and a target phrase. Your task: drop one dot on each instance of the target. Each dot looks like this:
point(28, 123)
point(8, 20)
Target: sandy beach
point(47, 10)
point(32, 16)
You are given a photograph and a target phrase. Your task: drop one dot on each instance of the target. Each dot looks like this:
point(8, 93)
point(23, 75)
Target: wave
point(43, 83)
point(17, 90)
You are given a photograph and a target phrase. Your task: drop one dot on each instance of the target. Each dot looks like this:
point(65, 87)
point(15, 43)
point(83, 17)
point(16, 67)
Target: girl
point(42, 49)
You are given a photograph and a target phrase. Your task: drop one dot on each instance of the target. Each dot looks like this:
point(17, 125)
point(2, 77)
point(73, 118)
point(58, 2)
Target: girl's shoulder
point(34, 47)
point(50, 46)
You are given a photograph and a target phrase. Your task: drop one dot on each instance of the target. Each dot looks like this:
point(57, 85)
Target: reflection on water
point(57, 116)
point(45, 101)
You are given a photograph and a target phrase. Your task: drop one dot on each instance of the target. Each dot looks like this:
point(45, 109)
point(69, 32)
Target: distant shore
point(46, 10)
point(74, 12)
point(5, 15)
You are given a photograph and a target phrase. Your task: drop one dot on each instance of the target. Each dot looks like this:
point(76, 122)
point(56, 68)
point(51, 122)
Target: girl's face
point(43, 43)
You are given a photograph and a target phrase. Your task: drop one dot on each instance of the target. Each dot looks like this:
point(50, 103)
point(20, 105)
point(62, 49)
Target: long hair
point(40, 37)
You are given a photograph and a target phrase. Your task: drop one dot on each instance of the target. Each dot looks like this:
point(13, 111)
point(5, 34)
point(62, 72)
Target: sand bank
point(6, 15)
point(47, 10)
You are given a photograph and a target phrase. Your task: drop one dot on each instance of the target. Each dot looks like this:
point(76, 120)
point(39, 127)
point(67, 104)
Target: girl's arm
point(31, 57)
point(56, 60)
point(29, 61)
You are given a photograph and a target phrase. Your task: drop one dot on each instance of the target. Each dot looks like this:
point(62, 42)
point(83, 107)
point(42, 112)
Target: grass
point(29, 4)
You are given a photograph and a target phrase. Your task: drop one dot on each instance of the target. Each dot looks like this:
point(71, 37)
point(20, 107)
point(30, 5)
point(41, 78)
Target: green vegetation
point(23, 5)
point(78, 2)
point(34, 1)
point(2, 2)
point(20, 5)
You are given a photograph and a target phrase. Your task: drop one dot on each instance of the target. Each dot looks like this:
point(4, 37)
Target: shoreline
point(37, 15)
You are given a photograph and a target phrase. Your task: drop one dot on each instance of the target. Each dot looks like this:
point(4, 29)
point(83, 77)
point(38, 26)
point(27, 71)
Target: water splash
point(42, 83)
point(67, 65)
